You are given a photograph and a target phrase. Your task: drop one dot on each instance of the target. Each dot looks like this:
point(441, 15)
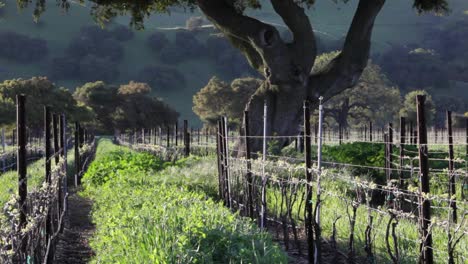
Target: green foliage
point(139, 10)
point(372, 99)
point(143, 215)
point(274, 147)
point(40, 91)
point(409, 107)
point(117, 162)
point(129, 106)
point(363, 154)
point(218, 98)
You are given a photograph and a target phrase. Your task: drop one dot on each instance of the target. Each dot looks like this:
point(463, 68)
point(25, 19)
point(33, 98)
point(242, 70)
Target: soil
point(73, 244)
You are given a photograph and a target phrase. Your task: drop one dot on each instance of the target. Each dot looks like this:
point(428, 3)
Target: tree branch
point(304, 45)
point(281, 62)
point(344, 71)
point(253, 57)
point(228, 20)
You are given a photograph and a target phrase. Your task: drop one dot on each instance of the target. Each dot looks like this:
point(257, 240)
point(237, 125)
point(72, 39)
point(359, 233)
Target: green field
point(146, 211)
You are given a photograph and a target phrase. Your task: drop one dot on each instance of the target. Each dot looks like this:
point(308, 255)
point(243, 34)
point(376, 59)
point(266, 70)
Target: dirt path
point(73, 246)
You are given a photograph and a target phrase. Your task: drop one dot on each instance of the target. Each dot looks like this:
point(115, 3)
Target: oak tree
point(286, 66)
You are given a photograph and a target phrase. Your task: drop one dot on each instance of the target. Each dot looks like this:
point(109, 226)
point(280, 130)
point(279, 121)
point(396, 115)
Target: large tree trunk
point(284, 113)
point(287, 66)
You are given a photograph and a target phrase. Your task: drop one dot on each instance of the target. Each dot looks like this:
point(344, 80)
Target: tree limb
point(344, 71)
point(304, 44)
point(228, 20)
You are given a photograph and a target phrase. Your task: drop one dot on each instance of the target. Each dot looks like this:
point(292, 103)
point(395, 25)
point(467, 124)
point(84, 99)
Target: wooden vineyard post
point(176, 133)
point(301, 142)
point(3, 150)
point(219, 148)
point(340, 133)
point(77, 153)
point(224, 141)
point(402, 149)
point(48, 156)
point(219, 160)
point(425, 204)
point(56, 138)
point(250, 205)
point(168, 137)
point(186, 139)
point(22, 165)
point(308, 174)
point(63, 146)
point(143, 136)
point(315, 132)
point(451, 169)
point(389, 151)
point(263, 206)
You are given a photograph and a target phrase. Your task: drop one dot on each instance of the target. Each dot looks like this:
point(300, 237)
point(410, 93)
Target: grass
point(148, 211)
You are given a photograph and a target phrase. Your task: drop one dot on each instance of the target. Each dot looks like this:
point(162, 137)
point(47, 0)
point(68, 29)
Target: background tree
point(286, 66)
point(409, 107)
point(218, 99)
point(138, 109)
point(126, 106)
point(210, 102)
point(372, 99)
point(102, 99)
point(40, 91)
point(7, 111)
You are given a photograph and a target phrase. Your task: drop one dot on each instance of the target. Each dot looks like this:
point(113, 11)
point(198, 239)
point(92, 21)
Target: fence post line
point(219, 153)
point(250, 206)
point(48, 155)
point(176, 133)
point(62, 154)
point(56, 137)
point(308, 174)
point(3, 149)
point(340, 132)
point(263, 208)
point(466, 135)
point(402, 149)
point(390, 150)
point(186, 139)
point(425, 204)
point(22, 165)
point(168, 136)
point(226, 161)
point(222, 158)
point(77, 153)
point(452, 186)
point(318, 246)
point(63, 133)
point(143, 136)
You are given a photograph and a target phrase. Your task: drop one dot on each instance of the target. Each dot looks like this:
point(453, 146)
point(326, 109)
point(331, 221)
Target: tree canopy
point(372, 99)
point(139, 10)
point(409, 107)
point(219, 98)
point(40, 91)
point(285, 65)
point(124, 107)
